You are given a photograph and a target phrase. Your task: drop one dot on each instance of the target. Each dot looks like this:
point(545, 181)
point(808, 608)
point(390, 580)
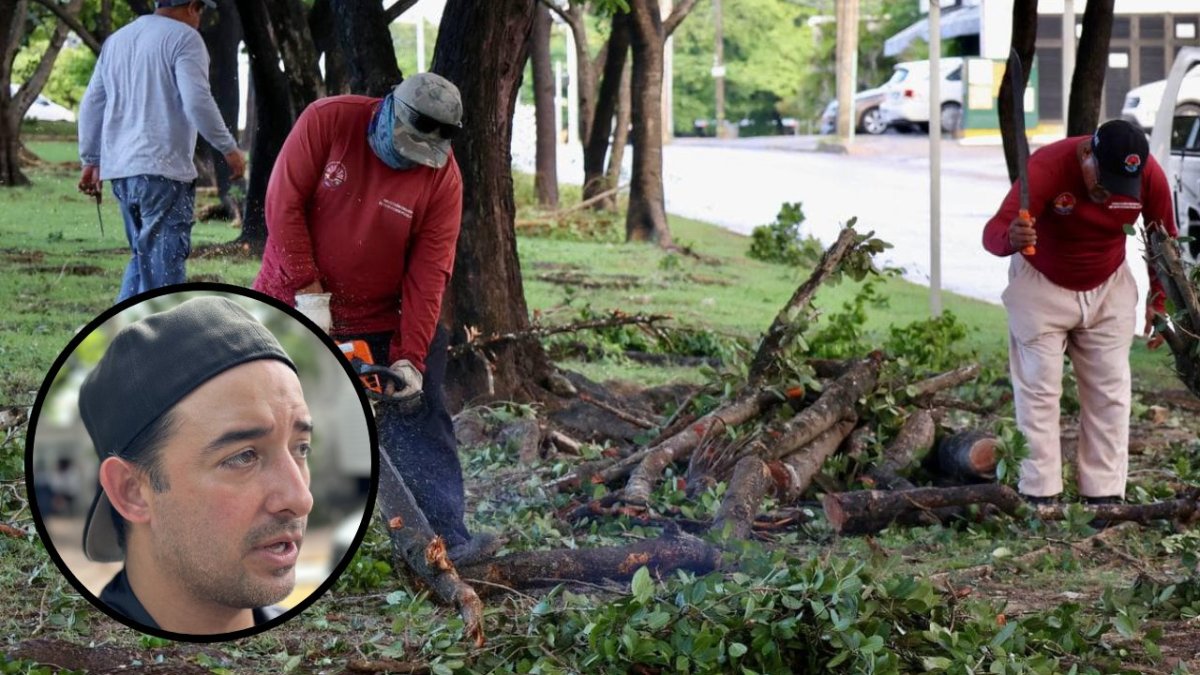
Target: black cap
point(150, 366)
point(1121, 150)
point(211, 4)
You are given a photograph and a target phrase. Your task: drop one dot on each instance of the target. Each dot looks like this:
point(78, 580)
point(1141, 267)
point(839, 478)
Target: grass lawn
point(1062, 586)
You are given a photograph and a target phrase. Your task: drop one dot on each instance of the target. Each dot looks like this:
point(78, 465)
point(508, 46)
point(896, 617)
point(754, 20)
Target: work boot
point(1039, 501)
point(1100, 501)
point(478, 548)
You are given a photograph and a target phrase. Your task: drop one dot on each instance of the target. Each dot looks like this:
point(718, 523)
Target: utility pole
point(847, 67)
point(718, 70)
point(935, 158)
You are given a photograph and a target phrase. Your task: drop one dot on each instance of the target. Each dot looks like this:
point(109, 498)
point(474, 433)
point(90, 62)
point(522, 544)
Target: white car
point(43, 109)
point(1141, 103)
point(906, 101)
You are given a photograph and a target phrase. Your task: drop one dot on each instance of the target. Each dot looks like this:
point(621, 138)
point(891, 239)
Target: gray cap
point(211, 4)
point(150, 366)
point(428, 111)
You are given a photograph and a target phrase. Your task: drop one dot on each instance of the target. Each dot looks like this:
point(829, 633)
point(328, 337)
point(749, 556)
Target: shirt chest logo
point(396, 207)
point(1064, 204)
point(1124, 206)
point(334, 175)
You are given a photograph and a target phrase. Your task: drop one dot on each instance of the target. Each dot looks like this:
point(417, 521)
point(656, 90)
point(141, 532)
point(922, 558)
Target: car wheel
point(951, 118)
point(923, 127)
point(872, 122)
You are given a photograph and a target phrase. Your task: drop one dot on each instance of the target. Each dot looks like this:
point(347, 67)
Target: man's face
point(1091, 174)
point(230, 524)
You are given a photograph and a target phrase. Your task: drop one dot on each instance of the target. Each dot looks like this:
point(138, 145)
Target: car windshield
point(898, 76)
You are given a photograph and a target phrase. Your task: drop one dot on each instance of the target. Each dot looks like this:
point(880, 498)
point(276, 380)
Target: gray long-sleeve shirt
point(147, 98)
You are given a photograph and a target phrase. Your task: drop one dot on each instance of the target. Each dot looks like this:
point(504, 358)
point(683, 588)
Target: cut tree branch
point(399, 7)
point(909, 446)
point(617, 318)
point(70, 18)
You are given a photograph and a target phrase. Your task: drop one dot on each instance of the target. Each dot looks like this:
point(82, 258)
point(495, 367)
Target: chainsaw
point(375, 378)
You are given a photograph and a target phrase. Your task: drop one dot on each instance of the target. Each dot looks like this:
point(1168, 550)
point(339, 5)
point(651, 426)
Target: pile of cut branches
point(1181, 329)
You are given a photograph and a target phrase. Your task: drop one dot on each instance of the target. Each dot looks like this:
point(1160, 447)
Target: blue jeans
point(422, 446)
point(158, 224)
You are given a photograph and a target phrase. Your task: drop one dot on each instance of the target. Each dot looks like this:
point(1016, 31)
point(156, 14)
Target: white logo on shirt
point(1128, 206)
point(395, 207)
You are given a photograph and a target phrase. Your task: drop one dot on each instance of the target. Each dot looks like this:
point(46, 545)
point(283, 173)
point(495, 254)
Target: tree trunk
point(1024, 33)
point(290, 26)
point(10, 147)
point(674, 550)
point(576, 21)
point(596, 145)
point(546, 176)
point(646, 219)
point(366, 43)
point(321, 23)
point(795, 473)
point(273, 116)
point(481, 47)
point(749, 484)
point(909, 446)
point(968, 456)
point(1091, 64)
point(616, 157)
point(222, 38)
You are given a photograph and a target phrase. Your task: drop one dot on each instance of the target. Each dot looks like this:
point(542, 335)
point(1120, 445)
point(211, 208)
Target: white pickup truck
point(1175, 143)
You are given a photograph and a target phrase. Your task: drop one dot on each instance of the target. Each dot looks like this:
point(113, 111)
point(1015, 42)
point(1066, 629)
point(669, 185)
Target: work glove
point(412, 377)
point(315, 306)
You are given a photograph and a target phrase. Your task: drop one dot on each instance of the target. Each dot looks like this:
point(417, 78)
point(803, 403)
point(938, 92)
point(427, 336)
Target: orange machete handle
point(1024, 215)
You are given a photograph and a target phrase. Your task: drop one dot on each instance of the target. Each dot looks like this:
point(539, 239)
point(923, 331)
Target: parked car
point(906, 99)
point(1177, 148)
point(1141, 103)
point(866, 109)
point(44, 109)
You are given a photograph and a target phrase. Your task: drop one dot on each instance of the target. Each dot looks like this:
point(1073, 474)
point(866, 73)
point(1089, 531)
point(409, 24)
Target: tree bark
point(273, 117)
point(616, 155)
point(222, 37)
point(646, 218)
point(909, 446)
point(1024, 33)
point(322, 24)
point(415, 544)
point(1091, 64)
point(289, 22)
point(597, 143)
point(674, 550)
point(481, 47)
point(869, 511)
point(795, 473)
point(743, 497)
point(366, 43)
point(783, 327)
point(968, 456)
point(546, 175)
point(651, 463)
point(943, 381)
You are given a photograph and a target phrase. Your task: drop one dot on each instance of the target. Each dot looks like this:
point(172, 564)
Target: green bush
point(780, 241)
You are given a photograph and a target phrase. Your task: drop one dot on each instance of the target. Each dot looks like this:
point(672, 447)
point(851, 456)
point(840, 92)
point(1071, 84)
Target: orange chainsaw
point(375, 378)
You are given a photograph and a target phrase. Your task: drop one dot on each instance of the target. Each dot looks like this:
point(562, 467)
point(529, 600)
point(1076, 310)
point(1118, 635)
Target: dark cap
point(1121, 150)
point(150, 366)
point(211, 4)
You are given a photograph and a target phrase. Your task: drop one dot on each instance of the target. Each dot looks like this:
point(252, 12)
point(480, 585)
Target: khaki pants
point(1095, 328)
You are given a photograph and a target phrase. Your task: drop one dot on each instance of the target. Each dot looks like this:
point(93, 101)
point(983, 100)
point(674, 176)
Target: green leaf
point(931, 663)
point(1125, 626)
point(736, 650)
point(1129, 230)
point(642, 586)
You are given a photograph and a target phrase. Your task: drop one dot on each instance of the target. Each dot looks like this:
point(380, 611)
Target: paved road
point(740, 184)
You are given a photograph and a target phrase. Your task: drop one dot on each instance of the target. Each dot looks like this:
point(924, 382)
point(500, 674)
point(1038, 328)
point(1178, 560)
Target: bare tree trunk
point(481, 47)
point(1024, 33)
point(546, 176)
point(290, 25)
point(616, 157)
point(362, 33)
point(1091, 64)
point(321, 23)
point(222, 38)
point(646, 219)
point(273, 117)
point(607, 99)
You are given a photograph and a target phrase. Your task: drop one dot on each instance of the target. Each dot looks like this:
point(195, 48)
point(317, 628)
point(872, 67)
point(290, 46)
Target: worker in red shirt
point(1075, 293)
point(364, 204)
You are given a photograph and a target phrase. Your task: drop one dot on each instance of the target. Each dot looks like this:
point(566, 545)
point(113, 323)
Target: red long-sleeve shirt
point(372, 235)
point(1079, 243)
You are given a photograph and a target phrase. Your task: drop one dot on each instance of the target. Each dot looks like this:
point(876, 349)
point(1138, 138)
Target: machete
point(1016, 81)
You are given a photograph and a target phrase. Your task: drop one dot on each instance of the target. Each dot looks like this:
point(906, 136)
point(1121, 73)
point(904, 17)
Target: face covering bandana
point(379, 134)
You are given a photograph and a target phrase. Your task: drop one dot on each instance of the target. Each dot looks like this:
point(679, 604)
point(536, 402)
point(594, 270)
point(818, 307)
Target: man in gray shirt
point(138, 121)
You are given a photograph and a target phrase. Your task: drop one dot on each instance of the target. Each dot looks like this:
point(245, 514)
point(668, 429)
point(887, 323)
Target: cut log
point(943, 381)
point(869, 511)
point(909, 447)
point(968, 456)
point(531, 569)
point(750, 481)
point(650, 463)
point(415, 544)
point(795, 473)
point(784, 326)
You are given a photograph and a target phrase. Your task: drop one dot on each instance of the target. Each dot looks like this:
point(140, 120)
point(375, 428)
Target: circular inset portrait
point(196, 458)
